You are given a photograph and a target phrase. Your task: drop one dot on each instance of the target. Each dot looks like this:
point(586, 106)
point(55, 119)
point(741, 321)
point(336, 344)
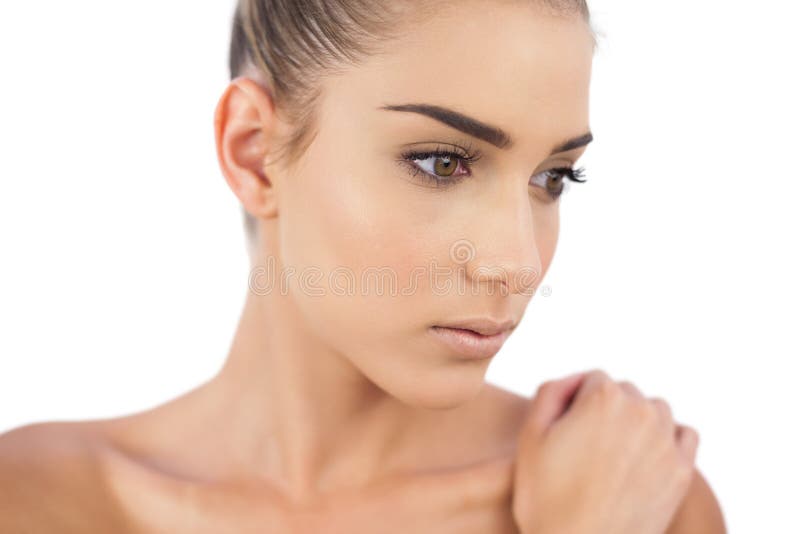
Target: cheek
point(546, 221)
point(344, 225)
point(343, 218)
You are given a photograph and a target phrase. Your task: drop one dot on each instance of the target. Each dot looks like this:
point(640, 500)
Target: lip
point(468, 343)
point(482, 325)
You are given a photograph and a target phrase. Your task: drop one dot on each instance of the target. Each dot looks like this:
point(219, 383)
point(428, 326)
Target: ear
point(245, 127)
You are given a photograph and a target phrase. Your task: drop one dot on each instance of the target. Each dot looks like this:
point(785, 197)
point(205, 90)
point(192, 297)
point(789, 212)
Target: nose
point(503, 249)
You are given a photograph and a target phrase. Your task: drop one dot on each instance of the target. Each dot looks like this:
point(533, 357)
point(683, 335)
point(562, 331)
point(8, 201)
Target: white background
point(124, 269)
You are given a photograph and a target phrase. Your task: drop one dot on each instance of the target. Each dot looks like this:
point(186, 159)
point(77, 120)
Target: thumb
point(550, 401)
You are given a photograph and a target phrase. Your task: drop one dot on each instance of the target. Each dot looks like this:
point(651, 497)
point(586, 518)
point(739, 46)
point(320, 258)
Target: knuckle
point(691, 435)
point(604, 391)
point(629, 386)
point(643, 413)
point(686, 430)
point(687, 443)
point(662, 410)
point(597, 375)
point(604, 375)
point(662, 406)
point(607, 387)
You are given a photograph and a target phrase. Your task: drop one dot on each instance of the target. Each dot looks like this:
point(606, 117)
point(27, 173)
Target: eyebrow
point(486, 132)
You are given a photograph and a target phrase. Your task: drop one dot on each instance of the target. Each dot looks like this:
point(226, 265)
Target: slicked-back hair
point(289, 46)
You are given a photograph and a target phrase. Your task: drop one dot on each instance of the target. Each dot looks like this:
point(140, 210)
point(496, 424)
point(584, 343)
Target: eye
point(441, 167)
point(552, 181)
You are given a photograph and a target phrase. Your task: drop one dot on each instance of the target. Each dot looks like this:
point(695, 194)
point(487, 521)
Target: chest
point(421, 514)
point(478, 503)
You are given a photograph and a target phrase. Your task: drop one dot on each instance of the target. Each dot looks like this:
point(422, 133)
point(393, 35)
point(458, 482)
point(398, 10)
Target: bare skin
point(341, 413)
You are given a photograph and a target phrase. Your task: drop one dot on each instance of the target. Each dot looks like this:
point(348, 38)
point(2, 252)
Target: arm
point(700, 512)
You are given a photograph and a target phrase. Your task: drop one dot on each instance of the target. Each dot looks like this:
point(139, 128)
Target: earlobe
point(243, 129)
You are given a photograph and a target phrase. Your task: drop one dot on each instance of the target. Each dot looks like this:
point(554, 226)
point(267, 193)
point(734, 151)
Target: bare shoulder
point(700, 511)
point(52, 479)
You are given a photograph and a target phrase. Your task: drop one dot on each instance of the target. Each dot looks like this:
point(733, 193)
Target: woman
point(427, 142)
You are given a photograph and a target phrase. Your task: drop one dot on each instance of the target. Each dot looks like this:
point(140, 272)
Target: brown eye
point(554, 184)
point(444, 166)
point(553, 181)
point(440, 167)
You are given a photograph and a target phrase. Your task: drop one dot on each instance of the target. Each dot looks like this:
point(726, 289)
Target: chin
point(442, 393)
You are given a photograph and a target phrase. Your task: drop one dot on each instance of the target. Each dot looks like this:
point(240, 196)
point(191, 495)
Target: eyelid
point(560, 161)
point(463, 147)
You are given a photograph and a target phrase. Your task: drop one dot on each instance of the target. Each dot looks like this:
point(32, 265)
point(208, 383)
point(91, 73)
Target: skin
point(340, 413)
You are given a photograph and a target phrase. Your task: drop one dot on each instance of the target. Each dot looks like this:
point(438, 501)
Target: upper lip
point(483, 325)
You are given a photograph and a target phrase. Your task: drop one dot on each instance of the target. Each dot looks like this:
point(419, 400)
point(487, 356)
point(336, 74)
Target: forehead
point(511, 65)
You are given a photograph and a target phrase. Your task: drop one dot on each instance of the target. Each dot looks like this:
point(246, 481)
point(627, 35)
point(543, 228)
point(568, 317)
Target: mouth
point(469, 343)
point(467, 330)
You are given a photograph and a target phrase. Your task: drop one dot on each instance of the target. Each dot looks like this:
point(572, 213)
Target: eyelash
point(469, 158)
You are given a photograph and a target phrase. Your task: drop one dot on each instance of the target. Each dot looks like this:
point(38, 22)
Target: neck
point(297, 410)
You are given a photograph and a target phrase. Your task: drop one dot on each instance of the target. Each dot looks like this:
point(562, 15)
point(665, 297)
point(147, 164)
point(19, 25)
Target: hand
point(596, 456)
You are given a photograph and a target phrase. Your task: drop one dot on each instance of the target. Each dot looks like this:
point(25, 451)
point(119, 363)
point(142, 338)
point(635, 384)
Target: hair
point(289, 46)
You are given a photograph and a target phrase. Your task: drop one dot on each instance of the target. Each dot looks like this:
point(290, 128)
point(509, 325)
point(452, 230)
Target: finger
point(687, 440)
point(551, 400)
point(631, 389)
point(594, 380)
point(663, 409)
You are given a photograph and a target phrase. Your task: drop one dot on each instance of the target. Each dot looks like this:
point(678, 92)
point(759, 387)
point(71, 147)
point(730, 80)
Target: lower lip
point(470, 344)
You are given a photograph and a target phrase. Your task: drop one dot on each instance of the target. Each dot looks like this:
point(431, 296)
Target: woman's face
point(396, 251)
